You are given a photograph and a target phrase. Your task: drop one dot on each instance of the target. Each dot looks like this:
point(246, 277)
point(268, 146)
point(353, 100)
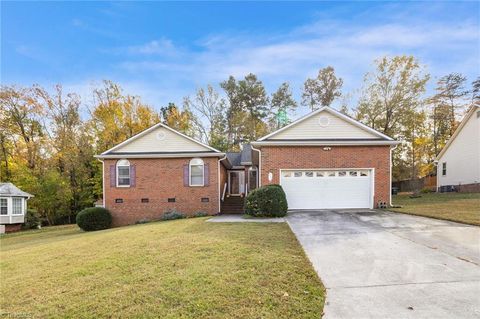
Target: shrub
point(426, 190)
point(94, 218)
point(32, 220)
point(143, 221)
point(173, 214)
point(200, 214)
point(267, 201)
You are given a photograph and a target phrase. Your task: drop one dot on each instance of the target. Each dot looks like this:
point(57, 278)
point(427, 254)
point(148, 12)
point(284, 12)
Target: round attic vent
point(160, 136)
point(324, 121)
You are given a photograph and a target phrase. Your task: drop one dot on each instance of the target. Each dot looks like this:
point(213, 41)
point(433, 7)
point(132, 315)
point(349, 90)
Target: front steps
point(233, 205)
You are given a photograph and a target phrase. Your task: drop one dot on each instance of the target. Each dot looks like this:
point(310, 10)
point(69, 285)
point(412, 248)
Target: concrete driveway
point(387, 265)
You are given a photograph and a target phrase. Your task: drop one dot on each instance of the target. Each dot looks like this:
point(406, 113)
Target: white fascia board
point(173, 155)
point(334, 112)
point(358, 123)
point(189, 138)
point(291, 124)
point(323, 143)
point(457, 131)
point(142, 133)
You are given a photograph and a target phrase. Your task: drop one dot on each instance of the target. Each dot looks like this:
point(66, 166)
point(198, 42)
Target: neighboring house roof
point(8, 189)
point(160, 140)
point(326, 126)
point(474, 109)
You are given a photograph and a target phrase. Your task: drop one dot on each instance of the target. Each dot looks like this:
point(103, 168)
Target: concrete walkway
point(237, 218)
point(389, 265)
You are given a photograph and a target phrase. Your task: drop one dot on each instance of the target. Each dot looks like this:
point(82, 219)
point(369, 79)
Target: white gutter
point(173, 155)
point(259, 164)
point(391, 166)
point(324, 143)
point(103, 182)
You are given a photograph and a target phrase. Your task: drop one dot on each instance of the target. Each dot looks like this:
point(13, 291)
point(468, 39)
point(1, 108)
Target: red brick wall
point(10, 228)
point(275, 158)
point(159, 179)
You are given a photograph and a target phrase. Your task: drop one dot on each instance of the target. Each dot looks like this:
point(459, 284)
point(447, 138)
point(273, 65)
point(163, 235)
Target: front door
point(236, 181)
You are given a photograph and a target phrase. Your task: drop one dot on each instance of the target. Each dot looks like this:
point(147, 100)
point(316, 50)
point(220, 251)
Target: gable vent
point(160, 136)
point(324, 121)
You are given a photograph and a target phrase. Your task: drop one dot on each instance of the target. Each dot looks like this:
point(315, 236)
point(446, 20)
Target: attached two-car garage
point(328, 189)
point(327, 160)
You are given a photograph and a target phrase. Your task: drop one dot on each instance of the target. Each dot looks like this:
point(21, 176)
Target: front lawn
point(458, 207)
point(176, 269)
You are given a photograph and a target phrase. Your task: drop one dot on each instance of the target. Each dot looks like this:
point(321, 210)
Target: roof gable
point(325, 124)
point(466, 121)
point(159, 139)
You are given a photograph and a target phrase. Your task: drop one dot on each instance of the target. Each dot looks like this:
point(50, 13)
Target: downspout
point(103, 182)
point(259, 164)
point(391, 165)
point(219, 186)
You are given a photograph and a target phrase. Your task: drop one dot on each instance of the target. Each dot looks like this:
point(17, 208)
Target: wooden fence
point(412, 185)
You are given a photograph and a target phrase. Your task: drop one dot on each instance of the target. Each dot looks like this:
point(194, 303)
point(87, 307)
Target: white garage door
point(324, 189)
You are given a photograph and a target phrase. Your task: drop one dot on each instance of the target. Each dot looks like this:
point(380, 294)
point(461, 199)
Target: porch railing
point(224, 191)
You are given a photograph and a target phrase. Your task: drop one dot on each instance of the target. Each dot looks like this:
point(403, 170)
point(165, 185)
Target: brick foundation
point(11, 228)
point(468, 188)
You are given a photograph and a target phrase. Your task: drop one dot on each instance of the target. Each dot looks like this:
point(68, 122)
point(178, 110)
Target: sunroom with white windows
point(13, 204)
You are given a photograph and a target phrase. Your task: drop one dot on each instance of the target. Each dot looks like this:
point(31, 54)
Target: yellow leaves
point(180, 120)
point(117, 117)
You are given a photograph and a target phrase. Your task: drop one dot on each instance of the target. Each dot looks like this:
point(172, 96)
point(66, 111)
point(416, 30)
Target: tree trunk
point(435, 131)
point(452, 120)
point(5, 157)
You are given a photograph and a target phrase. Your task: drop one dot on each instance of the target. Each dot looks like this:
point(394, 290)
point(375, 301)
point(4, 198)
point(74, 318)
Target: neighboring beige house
point(458, 164)
point(13, 207)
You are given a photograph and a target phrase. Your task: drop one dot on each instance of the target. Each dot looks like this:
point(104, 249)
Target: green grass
point(458, 207)
point(176, 269)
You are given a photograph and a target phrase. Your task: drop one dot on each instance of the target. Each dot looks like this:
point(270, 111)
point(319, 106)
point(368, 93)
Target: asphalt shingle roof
point(234, 158)
point(8, 189)
point(241, 158)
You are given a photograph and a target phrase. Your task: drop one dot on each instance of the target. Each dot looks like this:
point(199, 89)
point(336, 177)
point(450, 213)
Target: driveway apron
point(378, 264)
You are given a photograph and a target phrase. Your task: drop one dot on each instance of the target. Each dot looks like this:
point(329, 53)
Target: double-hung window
point(3, 206)
point(123, 173)
point(17, 206)
point(196, 172)
point(444, 169)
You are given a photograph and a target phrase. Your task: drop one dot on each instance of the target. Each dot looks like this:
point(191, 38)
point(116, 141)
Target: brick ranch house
point(324, 160)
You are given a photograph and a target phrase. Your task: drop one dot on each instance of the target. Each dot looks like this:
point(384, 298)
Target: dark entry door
point(234, 183)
